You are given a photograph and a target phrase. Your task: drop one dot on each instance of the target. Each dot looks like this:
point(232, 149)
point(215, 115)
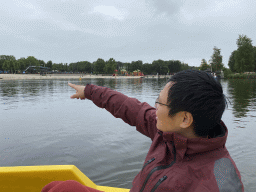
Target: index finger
point(72, 85)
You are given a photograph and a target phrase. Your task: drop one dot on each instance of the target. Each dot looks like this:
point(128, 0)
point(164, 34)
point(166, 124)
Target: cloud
point(165, 7)
point(22, 9)
point(72, 30)
point(110, 12)
point(206, 13)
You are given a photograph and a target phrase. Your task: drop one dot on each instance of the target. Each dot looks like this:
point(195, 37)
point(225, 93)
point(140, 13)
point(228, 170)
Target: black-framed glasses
point(157, 102)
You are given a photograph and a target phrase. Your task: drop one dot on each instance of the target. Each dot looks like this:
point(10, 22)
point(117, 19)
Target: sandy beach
point(59, 76)
point(70, 76)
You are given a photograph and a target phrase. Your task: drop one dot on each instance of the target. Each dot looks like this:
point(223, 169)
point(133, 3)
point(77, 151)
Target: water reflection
point(243, 94)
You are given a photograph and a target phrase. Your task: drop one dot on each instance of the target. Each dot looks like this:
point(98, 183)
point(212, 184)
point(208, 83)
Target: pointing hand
point(79, 91)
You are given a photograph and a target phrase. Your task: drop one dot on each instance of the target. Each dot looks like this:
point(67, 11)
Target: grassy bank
point(241, 76)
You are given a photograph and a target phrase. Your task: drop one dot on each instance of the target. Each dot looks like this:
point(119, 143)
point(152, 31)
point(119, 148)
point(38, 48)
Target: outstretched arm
point(130, 110)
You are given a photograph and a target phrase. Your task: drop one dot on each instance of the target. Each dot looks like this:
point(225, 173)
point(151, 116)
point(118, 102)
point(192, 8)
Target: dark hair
point(200, 94)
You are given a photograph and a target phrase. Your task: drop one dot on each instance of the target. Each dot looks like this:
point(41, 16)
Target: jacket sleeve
point(227, 175)
point(130, 110)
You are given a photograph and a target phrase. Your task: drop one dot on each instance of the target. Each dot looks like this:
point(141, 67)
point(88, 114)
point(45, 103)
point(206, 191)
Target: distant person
point(188, 152)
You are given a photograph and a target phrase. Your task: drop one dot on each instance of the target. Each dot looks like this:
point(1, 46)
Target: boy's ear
point(187, 120)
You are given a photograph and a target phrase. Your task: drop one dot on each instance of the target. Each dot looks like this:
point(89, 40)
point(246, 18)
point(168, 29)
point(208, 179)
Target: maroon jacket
point(173, 163)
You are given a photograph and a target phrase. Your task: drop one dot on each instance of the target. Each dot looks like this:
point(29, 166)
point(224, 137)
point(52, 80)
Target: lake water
point(41, 125)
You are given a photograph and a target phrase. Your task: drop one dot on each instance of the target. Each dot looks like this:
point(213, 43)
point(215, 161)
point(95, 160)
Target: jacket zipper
point(159, 168)
point(149, 161)
point(159, 182)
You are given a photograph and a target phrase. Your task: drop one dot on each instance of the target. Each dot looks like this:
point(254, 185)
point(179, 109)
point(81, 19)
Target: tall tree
point(49, 64)
point(184, 66)
point(216, 60)
point(41, 63)
point(204, 65)
point(231, 62)
point(60, 67)
point(66, 67)
point(244, 54)
point(99, 66)
point(81, 66)
point(147, 68)
point(87, 67)
point(16, 66)
point(203, 62)
point(12, 66)
point(5, 57)
point(119, 65)
point(110, 66)
point(32, 61)
point(160, 67)
point(254, 58)
point(6, 65)
point(22, 63)
point(173, 66)
point(127, 67)
point(136, 65)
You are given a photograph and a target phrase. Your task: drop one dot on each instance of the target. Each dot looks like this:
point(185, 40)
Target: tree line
point(9, 63)
point(241, 60)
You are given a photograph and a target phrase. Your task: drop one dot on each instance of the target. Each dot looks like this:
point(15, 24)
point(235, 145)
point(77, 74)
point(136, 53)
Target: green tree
point(32, 61)
point(41, 63)
point(70, 67)
point(254, 58)
point(60, 67)
point(216, 60)
point(87, 66)
point(173, 66)
point(6, 65)
point(12, 66)
point(184, 66)
point(5, 57)
point(127, 67)
point(66, 67)
point(159, 66)
point(110, 66)
point(226, 72)
point(119, 66)
point(231, 62)
point(49, 64)
point(204, 65)
point(99, 66)
point(204, 61)
point(147, 68)
point(22, 64)
point(55, 66)
point(135, 65)
point(16, 66)
point(244, 54)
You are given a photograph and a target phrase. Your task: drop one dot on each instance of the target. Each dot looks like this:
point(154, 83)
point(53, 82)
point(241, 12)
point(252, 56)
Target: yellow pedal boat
point(34, 178)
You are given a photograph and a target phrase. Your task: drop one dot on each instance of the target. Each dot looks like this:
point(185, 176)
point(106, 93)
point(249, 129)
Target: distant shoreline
point(72, 76)
point(60, 76)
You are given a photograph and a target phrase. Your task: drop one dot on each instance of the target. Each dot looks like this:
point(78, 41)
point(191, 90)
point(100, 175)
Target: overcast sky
point(127, 30)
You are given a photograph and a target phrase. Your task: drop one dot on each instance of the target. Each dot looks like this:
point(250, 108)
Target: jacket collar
point(190, 146)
